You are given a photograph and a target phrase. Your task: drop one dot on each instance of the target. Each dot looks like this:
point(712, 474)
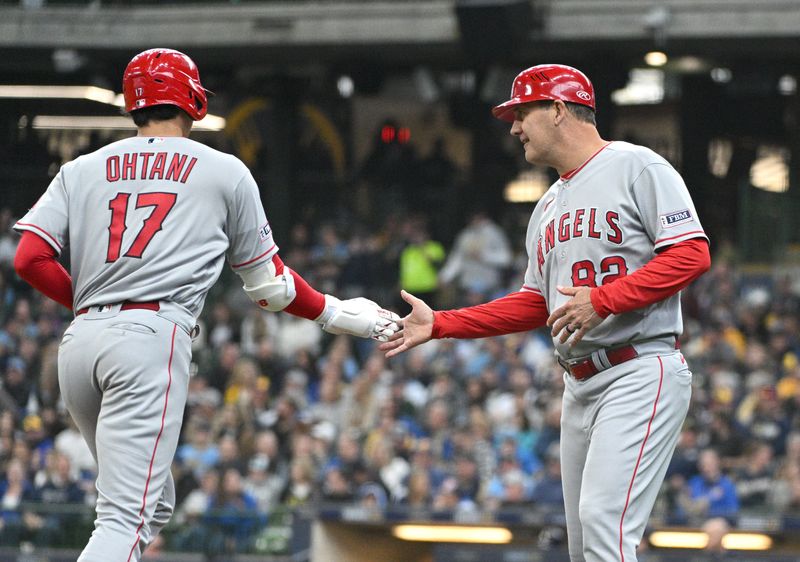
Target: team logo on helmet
point(585, 96)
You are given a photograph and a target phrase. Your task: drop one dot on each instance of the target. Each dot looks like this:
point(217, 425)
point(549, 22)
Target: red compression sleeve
point(660, 278)
point(35, 262)
point(309, 303)
point(517, 312)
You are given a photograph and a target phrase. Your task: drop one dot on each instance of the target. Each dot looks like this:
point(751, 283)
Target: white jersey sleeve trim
point(42, 233)
point(526, 289)
point(661, 242)
point(273, 249)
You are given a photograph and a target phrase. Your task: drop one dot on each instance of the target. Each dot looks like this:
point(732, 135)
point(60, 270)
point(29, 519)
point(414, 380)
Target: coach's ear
point(559, 112)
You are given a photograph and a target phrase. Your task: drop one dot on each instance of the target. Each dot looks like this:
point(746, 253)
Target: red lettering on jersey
point(145, 161)
point(176, 166)
point(158, 166)
point(593, 232)
point(549, 236)
point(563, 228)
point(112, 168)
point(539, 254)
point(577, 227)
point(188, 171)
point(612, 218)
point(129, 166)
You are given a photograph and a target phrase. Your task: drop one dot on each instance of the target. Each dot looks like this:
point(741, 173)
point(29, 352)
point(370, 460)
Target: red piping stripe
point(43, 231)
point(638, 460)
point(155, 447)
point(255, 258)
point(531, 289)
point(571, 174)
point(679, 235)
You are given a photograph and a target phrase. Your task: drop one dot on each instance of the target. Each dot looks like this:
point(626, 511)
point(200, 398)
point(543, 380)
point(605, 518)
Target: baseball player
point(149, 221)
point(610, 245)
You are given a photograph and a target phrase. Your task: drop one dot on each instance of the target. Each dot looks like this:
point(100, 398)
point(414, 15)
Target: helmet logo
point(140, 103)
point(585, 96)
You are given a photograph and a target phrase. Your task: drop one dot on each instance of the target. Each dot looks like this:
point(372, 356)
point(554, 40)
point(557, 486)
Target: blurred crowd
point(282, 415)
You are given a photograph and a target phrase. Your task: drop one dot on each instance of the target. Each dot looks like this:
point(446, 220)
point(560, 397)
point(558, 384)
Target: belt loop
point(600, 360)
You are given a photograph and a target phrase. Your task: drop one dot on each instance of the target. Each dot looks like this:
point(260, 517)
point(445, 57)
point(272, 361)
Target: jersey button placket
point(563, 253)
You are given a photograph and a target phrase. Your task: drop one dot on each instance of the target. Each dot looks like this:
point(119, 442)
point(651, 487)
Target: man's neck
point(578, 152)
point(171, 128)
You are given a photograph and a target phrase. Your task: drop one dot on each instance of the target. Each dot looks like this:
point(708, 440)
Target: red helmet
point(164, 76)
point(547, 82)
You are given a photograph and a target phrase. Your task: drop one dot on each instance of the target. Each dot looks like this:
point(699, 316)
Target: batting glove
point(358, 317)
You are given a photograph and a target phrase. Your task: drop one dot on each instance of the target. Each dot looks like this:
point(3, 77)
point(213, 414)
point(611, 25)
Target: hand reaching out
point(415, 329)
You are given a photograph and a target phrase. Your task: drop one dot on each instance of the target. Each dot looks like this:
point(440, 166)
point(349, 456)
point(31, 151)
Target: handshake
point(358, 317)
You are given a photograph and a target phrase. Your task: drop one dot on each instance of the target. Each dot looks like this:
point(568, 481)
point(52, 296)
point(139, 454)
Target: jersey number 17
point(162, 204)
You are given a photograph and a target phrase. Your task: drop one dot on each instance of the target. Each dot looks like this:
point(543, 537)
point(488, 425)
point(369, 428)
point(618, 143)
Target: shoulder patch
point(264, 232)
point(675, 218)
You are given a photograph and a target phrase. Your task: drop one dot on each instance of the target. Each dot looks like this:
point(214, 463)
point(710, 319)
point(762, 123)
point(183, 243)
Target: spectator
point(711, 494)
point(232, 519)
point(716, 528)
point(16, 384)
point(229, 457)
point(419, 487)
point(547, 489)
point(61, 497)
point(420, 261)
point(262, 484)
point(336, 487)
point(477, 262)
point(15, 489)
point(200, 454)
point(754, 480)
point(300, 488)
point(194, 506)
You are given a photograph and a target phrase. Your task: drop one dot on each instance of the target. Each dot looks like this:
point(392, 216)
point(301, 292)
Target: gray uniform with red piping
point(149, 223)
point(598, 223)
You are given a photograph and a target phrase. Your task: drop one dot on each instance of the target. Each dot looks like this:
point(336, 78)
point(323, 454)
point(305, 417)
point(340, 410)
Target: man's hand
point(358, 317)
point(416, 328)
point(574, 318)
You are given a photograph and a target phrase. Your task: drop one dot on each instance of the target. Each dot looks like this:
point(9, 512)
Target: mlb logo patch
point(676, 218)
point(264, 232)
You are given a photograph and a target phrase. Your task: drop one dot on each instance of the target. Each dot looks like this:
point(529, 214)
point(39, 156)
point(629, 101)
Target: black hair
point(155, 113)
point(581, 112)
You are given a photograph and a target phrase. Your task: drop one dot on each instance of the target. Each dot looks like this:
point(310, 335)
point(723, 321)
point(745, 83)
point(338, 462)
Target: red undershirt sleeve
point(309, 303)
point(35, 262)
point(663, 276)
point(517, 312)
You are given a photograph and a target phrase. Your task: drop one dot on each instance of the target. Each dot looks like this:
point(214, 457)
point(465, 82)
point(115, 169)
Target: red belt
point(583, 369)
point(128, 305)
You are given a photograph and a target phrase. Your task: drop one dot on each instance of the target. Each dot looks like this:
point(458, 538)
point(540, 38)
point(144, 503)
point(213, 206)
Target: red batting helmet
point(164, 76)
point(547, 82)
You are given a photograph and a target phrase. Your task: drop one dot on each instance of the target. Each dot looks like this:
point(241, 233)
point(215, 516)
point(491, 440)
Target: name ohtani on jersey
point(149, 166)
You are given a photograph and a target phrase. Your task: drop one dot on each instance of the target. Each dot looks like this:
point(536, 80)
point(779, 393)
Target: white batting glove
point(358, 317)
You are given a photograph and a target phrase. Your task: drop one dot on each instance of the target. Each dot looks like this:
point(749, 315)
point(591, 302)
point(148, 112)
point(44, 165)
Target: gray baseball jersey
point(603, 221)
point(147, 220)
point(152, 219)
point(619, 428)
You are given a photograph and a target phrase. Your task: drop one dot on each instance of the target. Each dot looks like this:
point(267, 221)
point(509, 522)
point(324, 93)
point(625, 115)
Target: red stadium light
point(388, 134)
point(403, 135)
